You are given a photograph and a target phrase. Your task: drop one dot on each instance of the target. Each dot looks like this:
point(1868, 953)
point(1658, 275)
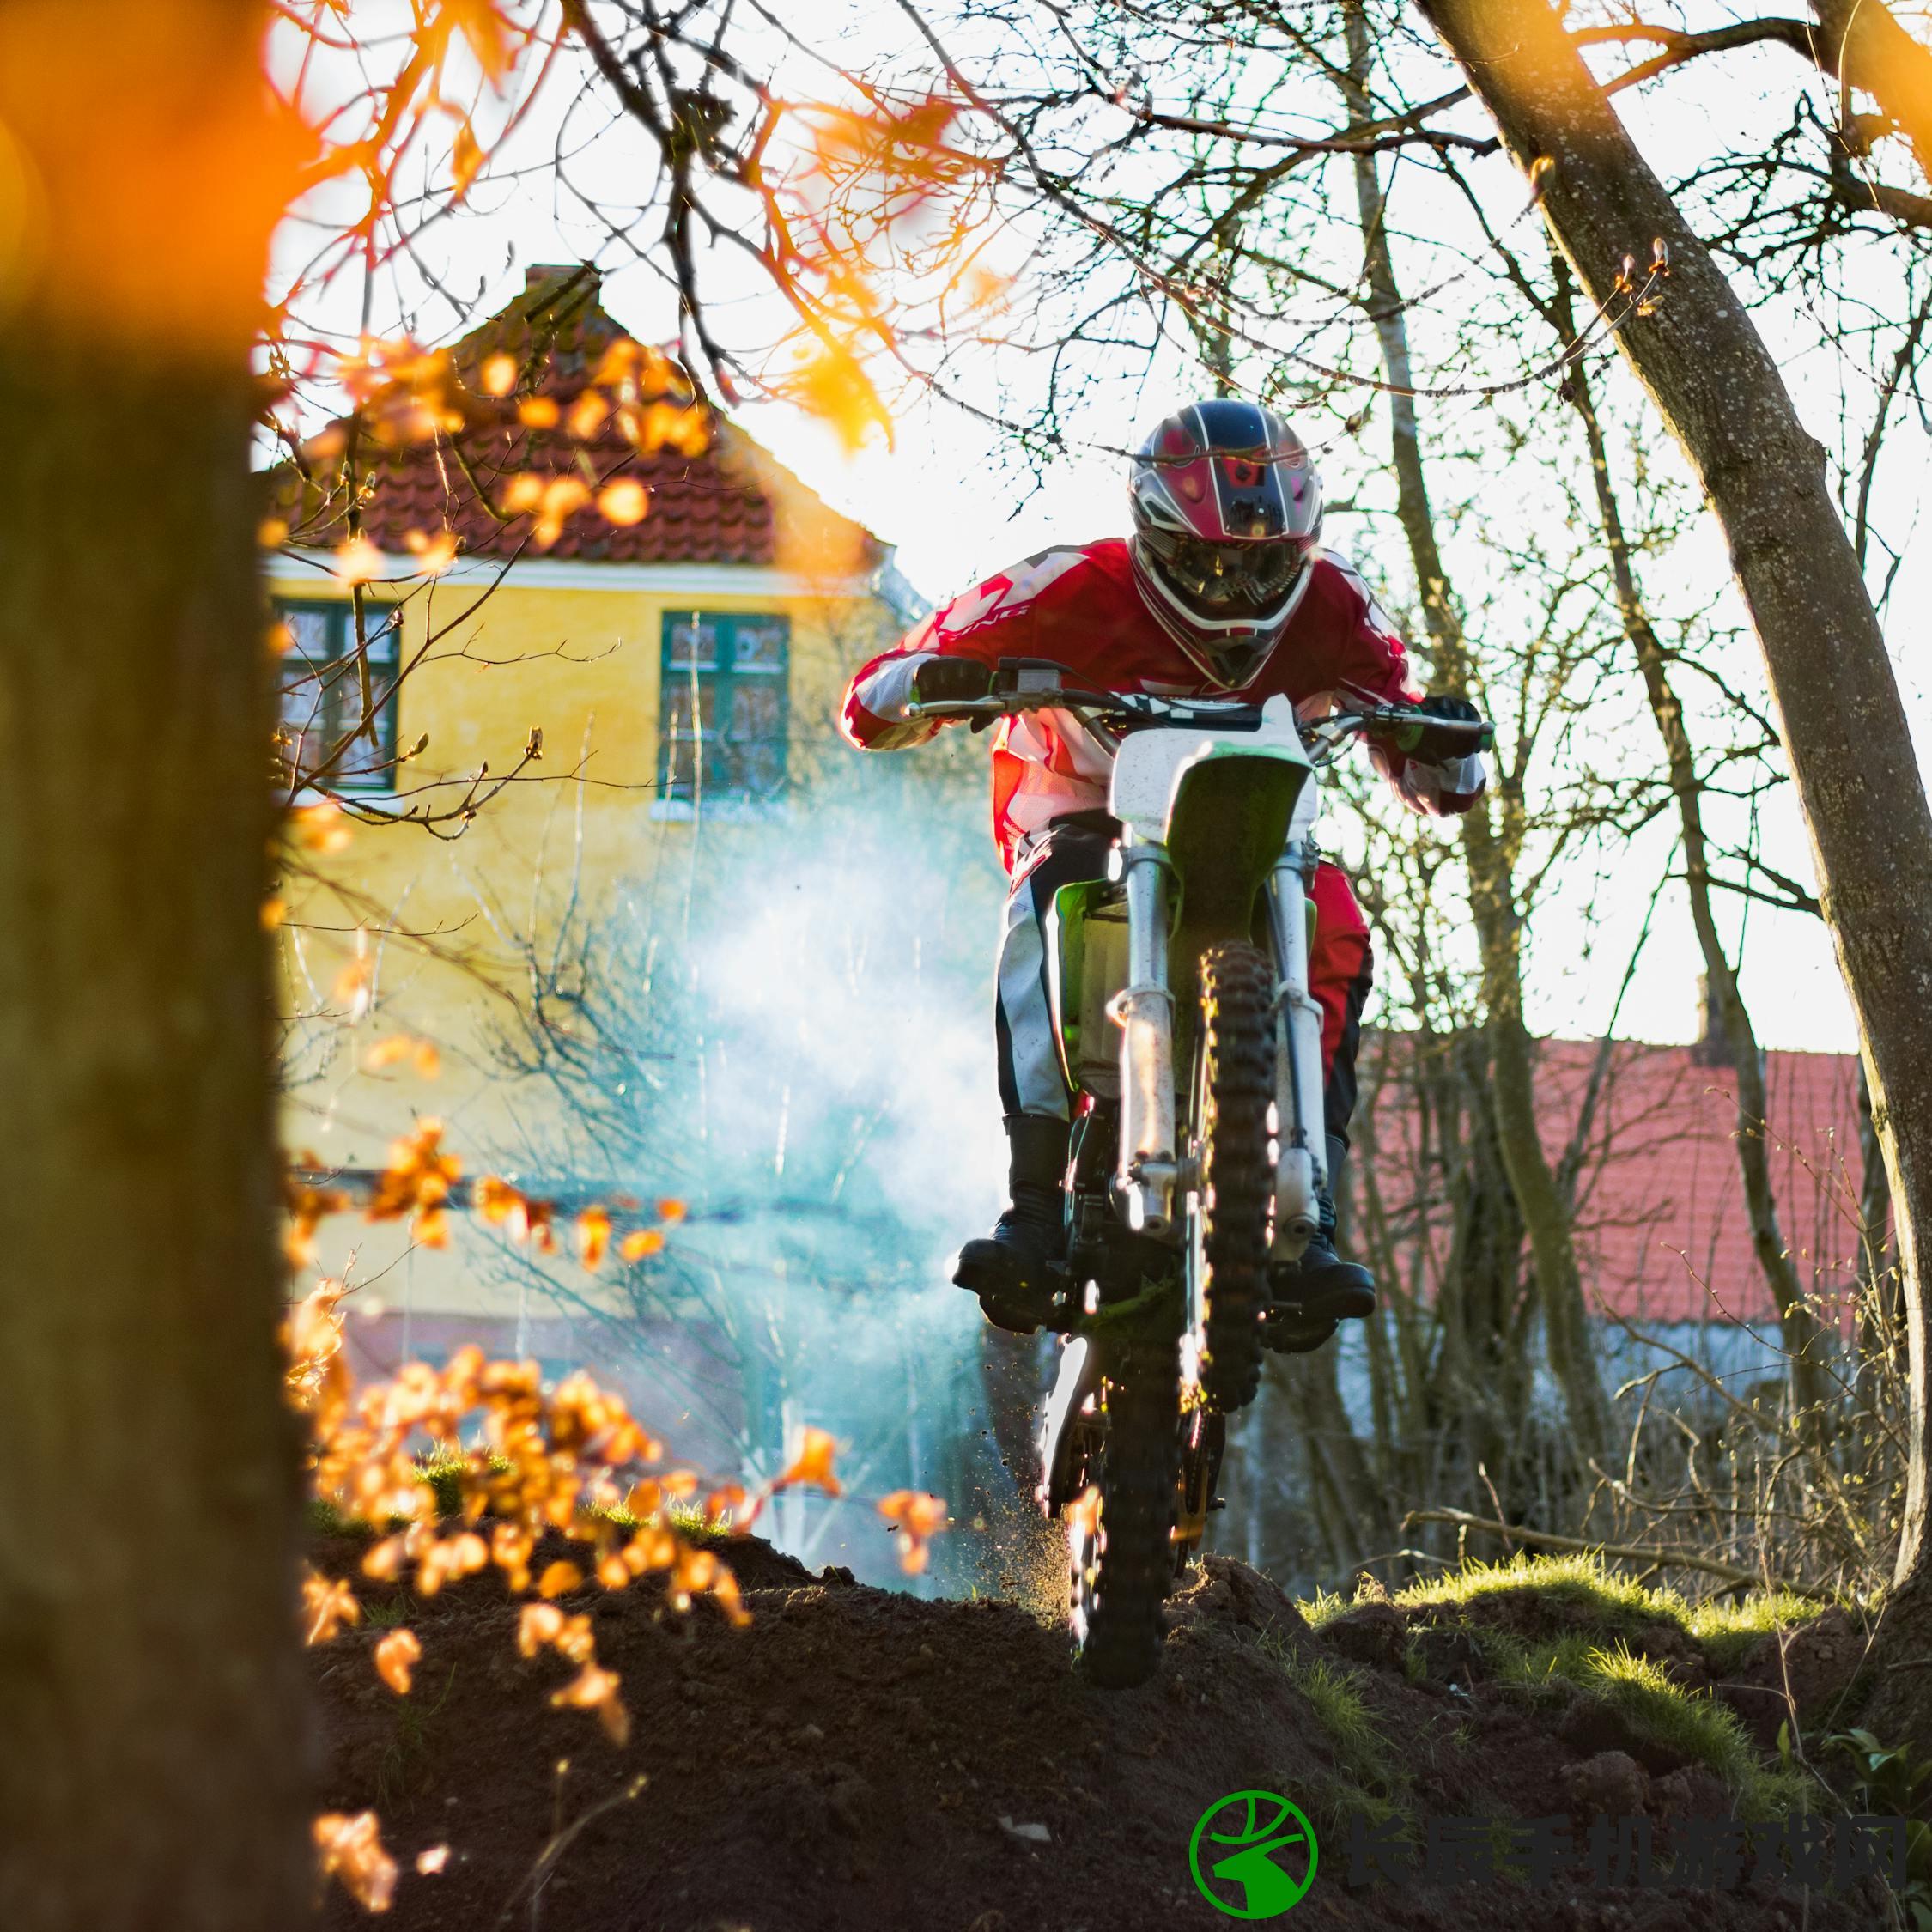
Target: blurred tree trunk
point(153, 1769)
point(1845, 730)
point(1489, 843)
point(1807, 1345)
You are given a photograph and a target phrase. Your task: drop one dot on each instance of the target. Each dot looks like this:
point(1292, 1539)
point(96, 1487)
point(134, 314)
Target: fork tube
point(1144, 1011)
point(1301, 1169)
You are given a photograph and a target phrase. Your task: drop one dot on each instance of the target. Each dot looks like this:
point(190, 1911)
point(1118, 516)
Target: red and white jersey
point(1079, 607)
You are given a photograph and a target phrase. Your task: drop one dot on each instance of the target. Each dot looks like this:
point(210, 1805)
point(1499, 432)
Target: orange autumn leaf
point(593, 1237)
point(640, 1243)
point(272, 532)
point(511, 1546)
point(586, 416)
point(563, 496)
point(539, 412)
point(384, 1560)
point(433, 555)
point(353, 987)
point(499, 374)
point(831, 383)
point(357, 562)
point(417, 1182)
point(595, 1688)
point(624, 501)
point(724, 1504)
point(524, 491)
point(920, 1517)
point(650, 1549)
point(350, 1849)
point(671, 1210)
point(558, 1577)
point(813, 1463)
point(395, 1047)
point(395, 1657)
point(538, 1626)
point(483, 26)
point(574, 1641)
point(466, 157)
point(386, 1053)
point(449, 1560)
point(320, 828)
point(275, 909)
point(328, 1604)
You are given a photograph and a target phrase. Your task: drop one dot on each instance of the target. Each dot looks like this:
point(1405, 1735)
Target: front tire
point(1234, 1090)
point(1121, 1533)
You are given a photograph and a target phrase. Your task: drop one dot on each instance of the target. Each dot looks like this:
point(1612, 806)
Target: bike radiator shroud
point(1212, 844)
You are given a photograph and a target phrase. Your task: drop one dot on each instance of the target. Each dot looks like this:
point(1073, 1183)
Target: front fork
point(1146, 1181)
point(1300, 1172)
point(1145, 1184)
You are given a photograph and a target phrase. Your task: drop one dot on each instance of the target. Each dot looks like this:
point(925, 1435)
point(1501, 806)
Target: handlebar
point(1023, 684)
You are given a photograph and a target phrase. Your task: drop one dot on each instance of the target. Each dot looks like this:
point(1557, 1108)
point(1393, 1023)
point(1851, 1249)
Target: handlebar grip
point(1418, 734)
point(952, 681)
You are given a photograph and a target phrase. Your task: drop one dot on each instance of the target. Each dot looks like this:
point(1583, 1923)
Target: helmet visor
point(1227, 578)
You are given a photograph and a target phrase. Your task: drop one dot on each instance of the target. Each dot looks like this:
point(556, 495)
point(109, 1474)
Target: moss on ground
point(1600, 1656)
point(1616, 1602)
point(1728, 1631)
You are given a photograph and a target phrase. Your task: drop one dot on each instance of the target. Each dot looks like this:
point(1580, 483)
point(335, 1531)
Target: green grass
point(1691, 1725)
point(686, 1518)
point(1368, 1777)
point(1596, 1658)
point(1616, 1601)
point(1323, 1607)
point(1696, 1727)
point(1728, 1631)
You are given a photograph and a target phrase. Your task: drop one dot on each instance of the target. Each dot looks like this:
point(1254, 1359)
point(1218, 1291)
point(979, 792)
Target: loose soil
point(859, 1760)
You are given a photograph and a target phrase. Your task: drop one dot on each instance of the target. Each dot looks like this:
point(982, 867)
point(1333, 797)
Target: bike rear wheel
point(1121, 1531)
point(1233, 1089)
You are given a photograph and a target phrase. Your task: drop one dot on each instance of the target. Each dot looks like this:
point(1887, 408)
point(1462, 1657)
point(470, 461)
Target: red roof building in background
point(1662, 1232)
point(552, 390)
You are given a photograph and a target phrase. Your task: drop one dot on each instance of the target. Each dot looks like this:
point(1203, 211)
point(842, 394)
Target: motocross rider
point(1223, 589)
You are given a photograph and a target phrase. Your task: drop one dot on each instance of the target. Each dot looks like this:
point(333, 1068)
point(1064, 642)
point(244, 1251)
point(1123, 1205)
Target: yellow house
point(608, 689)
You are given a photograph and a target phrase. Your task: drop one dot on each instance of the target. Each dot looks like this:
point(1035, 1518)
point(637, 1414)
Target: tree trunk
point(1488, 851)
point(1806, 1343)
point(154, 1769)
point(1844, 728)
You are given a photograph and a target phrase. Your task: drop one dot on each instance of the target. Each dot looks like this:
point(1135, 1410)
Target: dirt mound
point(858, 1759)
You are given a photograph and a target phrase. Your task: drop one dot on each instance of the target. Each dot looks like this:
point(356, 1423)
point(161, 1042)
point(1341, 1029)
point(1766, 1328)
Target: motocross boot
point(1015, 1270)
point(1321, 1287)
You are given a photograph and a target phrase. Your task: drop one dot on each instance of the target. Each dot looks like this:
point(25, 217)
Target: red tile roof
point(1662, 1232)
point(731, 502)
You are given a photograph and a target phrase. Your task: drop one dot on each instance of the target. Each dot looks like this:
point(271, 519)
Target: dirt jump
point(1543, 1748)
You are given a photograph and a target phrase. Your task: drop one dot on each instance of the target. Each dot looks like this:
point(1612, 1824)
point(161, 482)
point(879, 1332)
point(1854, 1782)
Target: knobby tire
point(1118, 1591)
point(1237, 1185)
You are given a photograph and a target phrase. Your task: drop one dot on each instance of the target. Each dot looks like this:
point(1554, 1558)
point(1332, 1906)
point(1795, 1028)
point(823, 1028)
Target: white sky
point(941, 494)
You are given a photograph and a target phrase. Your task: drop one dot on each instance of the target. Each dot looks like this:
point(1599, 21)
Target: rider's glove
point(952, 681)
point(1443, 704)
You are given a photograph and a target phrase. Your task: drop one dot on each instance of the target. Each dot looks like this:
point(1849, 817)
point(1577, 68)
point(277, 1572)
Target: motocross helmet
point(1227, 523)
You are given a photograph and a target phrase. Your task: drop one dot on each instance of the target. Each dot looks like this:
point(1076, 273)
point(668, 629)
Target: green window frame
point(321, 691)
point(723, 709)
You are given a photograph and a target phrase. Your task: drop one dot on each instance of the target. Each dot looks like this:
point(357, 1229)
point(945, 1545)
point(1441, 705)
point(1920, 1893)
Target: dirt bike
point(1180, 1000)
